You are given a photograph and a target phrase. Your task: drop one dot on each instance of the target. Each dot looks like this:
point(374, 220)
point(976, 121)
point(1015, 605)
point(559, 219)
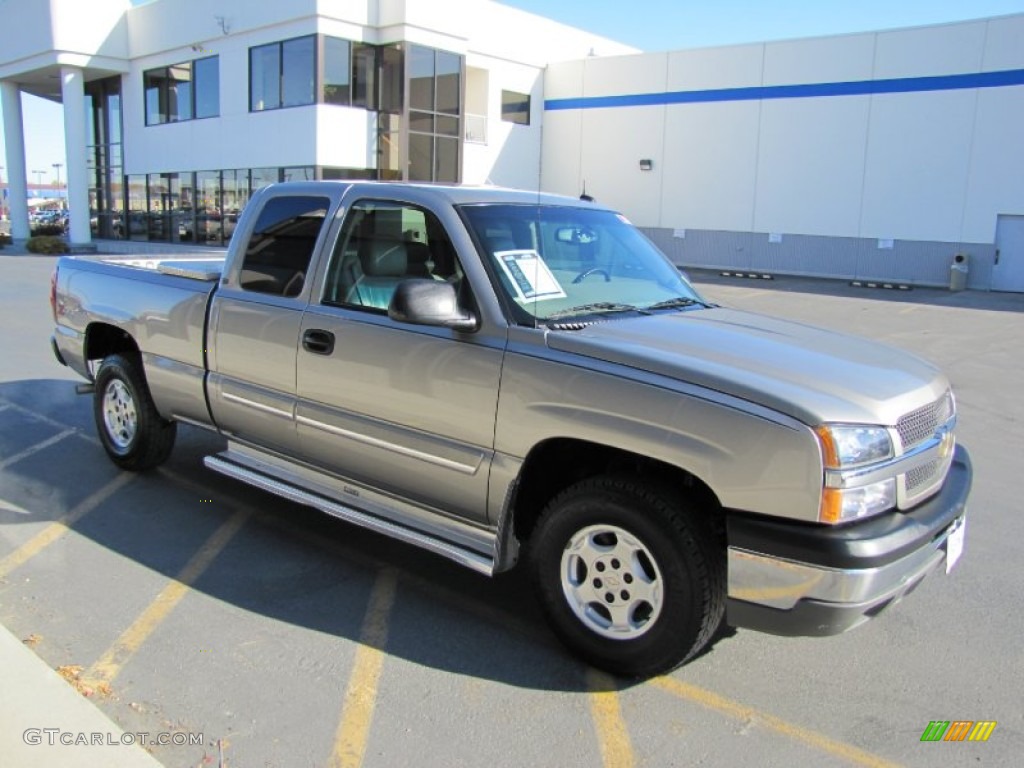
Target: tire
point(133, 433)
point(630, 578)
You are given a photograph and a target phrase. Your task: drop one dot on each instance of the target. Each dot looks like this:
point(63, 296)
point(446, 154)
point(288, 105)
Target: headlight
point(844, 446)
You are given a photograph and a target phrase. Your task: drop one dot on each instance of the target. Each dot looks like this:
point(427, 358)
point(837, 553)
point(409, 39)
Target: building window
point(337, 87)
point(182, 91)
point(282, 74)
point(435, 111)
point(515, 107)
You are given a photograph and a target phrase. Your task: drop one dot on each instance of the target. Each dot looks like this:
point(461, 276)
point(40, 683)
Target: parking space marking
point(361, 694)
point(52, 422)
point(612, 734)
point(710, 700)
point(35, 448)
point(113, 660)
point(58, 528)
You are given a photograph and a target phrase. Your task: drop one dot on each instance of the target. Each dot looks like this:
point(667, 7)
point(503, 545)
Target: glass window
point(391, 77)
point(449, 75)
point(154, 82)
point(179, 92)
point(364, 76)
point(555, 263)
point(235, 190)
point(421, 157)
point(515, 107)
point(337, 71)
point(282, 243)
point(298, 71)
point(206, 84)
point(421, 78)
point(265, 77)
point(261, 177)
point(383, 243)
point(133, 225)
point(208, 208)
point(447, 159)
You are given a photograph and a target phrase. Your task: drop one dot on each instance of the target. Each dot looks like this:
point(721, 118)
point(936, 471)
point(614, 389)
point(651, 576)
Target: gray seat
point(384, 264)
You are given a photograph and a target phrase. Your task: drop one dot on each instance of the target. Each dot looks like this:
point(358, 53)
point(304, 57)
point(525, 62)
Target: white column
point(17, 177)
point(72, 88)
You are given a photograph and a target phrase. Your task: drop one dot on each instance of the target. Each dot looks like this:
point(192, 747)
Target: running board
point(467, 558)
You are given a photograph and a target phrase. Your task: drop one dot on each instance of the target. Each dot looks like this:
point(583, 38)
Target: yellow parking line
point(361, 695)
point(110, 663)
point(612, 734)
point(58, 528)
point(739, 711)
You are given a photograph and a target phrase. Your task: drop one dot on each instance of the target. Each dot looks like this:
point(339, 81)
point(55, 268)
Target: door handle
point(318, 342)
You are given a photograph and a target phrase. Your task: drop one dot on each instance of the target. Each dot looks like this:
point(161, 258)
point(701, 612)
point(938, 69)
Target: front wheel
point(630, 578)
point(132, 431)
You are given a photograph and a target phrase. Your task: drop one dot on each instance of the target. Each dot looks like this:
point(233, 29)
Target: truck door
point(407, 410)
point(254, 324)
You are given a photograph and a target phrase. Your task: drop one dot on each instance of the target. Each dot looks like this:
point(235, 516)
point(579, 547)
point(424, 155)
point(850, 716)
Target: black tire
point(133, 433)
point(669, 598)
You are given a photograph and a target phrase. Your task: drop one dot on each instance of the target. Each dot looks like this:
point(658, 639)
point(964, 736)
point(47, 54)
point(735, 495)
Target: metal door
point(1008, 272)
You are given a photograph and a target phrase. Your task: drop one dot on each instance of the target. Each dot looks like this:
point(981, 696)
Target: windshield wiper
point(678, 302)
point(596, 307)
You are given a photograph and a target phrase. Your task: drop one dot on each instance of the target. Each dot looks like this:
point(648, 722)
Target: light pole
point(57, 167)
point(39, 178)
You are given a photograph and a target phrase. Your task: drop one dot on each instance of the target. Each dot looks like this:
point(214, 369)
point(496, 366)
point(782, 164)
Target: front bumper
point(790, 578)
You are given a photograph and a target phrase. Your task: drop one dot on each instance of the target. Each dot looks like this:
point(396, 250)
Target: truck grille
point(913, 429)
point(919, 425)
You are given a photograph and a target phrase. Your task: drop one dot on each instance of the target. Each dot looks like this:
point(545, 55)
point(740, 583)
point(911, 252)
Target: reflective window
point(206, 85)
point(182, 91)
point(282, 243)
point(435, 114)
point(282, 74)
point(337, 71)
point(364, 76)
point(515, 107)
point(298, 72)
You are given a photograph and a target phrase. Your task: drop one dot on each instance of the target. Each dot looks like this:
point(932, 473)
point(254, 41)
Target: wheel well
point(555, 464)
point(102, 340)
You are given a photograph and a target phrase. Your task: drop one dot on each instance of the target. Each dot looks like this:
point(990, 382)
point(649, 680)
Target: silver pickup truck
point(496, 375)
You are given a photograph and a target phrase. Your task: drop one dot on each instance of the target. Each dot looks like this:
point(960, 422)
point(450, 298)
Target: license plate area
point(955, 543)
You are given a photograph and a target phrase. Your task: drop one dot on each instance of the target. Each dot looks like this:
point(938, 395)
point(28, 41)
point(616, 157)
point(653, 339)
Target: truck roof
point(454, 194)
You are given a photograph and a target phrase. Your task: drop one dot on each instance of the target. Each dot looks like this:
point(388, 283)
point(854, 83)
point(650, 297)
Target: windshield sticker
point(530, 276)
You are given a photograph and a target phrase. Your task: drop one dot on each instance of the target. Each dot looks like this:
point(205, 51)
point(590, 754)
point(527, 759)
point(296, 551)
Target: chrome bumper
point(785, 595)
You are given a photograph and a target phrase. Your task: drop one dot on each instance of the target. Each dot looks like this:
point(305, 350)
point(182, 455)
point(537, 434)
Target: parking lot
point(195, 605)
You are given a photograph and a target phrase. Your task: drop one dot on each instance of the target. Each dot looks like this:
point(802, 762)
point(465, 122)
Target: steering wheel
point(592, 271)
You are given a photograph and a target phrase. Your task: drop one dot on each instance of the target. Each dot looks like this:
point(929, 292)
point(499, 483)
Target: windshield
point(556, 264)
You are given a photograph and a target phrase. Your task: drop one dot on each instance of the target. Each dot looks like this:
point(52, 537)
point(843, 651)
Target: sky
point(650, 25)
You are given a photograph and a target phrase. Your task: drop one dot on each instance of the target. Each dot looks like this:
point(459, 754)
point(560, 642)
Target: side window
point(381, 244)
point(281, 246)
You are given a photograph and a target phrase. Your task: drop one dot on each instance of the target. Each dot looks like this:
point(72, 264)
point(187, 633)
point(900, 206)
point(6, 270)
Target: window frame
point(164, 86)
point(517, 115)
point(317, 89)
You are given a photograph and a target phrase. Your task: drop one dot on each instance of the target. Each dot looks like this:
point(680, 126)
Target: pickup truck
point(499, 375)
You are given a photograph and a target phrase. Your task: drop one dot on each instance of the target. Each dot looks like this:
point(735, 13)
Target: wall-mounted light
point(646, 164)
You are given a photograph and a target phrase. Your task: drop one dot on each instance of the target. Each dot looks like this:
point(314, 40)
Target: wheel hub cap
point(611, 581)
point(119, 414)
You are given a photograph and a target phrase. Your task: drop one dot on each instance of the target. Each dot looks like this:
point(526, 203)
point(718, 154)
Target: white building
point(875, 156)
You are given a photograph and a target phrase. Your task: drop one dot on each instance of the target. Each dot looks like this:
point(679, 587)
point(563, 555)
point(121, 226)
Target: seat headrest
point(384, 258)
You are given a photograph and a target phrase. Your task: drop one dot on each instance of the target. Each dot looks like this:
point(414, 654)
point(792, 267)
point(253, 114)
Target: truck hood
point(808, 373)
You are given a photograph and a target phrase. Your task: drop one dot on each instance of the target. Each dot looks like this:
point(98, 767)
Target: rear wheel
point(631, 579)
point(133, 433)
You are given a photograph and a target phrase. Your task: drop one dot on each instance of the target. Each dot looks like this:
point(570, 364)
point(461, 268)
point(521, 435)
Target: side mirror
point(430, 302)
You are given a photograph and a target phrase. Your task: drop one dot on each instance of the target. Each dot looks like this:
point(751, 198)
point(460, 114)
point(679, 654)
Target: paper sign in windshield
point(531, 278)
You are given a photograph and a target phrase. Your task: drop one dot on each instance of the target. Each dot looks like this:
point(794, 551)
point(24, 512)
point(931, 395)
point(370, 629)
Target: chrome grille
point(921, 424)
point(922, 475)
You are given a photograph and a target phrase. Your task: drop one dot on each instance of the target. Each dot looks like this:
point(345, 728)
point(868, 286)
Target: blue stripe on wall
point(807, 91)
